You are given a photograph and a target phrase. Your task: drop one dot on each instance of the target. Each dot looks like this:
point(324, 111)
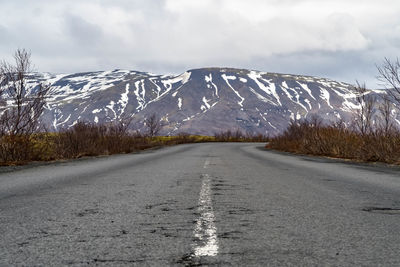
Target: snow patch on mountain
point(270, 89)
point(206, 106)
point(308, 90)
point(326, 96)
point(111, 107)
point(227, 78)
point(180, 103)
point(124, 99)
point(209, 79)
point(158, 88)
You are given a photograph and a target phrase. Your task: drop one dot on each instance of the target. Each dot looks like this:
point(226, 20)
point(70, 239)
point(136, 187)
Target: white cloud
point(174, 35)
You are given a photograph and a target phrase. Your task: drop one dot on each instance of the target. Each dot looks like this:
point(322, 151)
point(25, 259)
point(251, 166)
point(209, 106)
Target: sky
point(339, 39)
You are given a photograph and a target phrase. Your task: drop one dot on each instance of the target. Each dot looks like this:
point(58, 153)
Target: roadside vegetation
point(333, 140)
point(89, 139)
point(373, 135)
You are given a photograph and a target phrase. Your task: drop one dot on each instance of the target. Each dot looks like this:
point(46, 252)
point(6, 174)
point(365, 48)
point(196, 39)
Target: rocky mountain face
point(200, 101)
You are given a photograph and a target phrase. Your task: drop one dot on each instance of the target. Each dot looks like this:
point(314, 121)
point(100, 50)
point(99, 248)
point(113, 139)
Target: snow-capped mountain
point(200, 101)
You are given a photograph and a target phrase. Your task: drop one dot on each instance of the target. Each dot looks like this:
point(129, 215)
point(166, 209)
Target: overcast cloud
point(339, 39)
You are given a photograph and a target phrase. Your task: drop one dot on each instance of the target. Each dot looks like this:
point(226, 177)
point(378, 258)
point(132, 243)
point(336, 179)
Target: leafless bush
point(389, 75)
point(228, 136)
point(329, 140)
point(80, 140)
point(24, 104)
point(20, 108)
point(153, 125)
point(239, 136)
point(386, 122)
point(184, 138)
point(88, 139)
point(364, 115)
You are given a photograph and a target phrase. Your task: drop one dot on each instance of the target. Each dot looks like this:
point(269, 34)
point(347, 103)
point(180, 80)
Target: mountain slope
point(200, 101)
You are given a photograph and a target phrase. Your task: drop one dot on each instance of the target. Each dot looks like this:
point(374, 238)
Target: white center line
point(205, 231)
point(206, 164)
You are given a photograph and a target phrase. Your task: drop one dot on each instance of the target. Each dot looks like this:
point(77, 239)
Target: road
point(223, 204)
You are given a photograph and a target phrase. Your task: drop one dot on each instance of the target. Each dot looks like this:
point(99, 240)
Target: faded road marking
point(205, 231)
point(206, 164)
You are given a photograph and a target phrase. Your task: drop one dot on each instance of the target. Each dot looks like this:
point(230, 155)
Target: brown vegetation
point(20, 108)
point(337, 141)
point(89, 139)
point(153, 125)
point(239, 136)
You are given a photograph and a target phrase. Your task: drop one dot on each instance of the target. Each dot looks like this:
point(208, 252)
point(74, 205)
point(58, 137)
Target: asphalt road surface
point(214, 204)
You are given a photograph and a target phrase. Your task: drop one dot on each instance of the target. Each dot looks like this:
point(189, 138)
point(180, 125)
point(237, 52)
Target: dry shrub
point(88, 139)
point(239, 136)
point(382, 147)
point(15, 149)
point(308, 137)
point(21, 105)
point(19, 149)
point(44, 146)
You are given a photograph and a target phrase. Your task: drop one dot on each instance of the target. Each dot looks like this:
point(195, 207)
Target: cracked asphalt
point(262, 208)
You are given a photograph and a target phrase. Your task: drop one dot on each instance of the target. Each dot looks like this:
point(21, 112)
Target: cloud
point(82, 31)
point(322, 38)
point(6, 36)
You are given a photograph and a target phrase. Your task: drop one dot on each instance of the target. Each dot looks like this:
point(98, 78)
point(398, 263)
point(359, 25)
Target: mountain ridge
point(197, 101)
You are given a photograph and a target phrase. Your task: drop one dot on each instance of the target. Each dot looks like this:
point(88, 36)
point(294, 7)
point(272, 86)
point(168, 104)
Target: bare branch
point(389, 75)
point(364, 116)
point(387, 117)
point(153, 125)
point(20, 106)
